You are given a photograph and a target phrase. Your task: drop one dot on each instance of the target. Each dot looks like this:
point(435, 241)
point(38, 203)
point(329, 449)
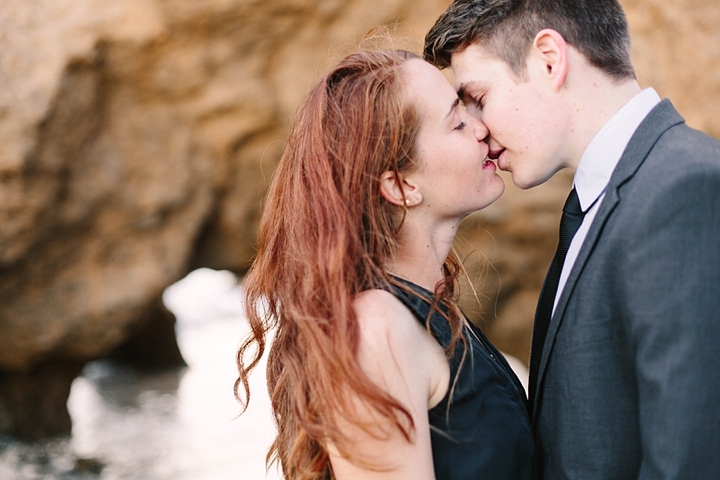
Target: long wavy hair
point(324, 236)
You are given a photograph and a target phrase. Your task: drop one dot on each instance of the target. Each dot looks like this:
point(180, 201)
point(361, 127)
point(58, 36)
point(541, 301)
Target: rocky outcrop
point(675, 50)
point(137, 137)
point(135, 141)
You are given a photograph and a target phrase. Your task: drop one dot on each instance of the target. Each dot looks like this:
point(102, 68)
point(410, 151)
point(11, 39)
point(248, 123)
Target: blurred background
point(136, 141)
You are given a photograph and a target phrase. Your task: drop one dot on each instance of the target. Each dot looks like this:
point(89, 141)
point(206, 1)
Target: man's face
point(524, 115)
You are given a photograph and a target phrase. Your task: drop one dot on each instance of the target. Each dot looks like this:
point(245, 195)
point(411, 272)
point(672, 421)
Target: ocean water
point(181, 425)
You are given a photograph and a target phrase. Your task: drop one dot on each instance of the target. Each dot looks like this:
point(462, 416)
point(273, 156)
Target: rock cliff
point(137, 137)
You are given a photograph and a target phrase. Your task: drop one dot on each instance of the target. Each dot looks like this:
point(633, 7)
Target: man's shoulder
point(680, 173)
point(690, 141)
point(681, 167)
point(682, 151)
point(665, 126)
point(667, 142)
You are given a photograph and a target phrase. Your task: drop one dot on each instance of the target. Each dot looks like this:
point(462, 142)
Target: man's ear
point(551, 51)
point(402, 193)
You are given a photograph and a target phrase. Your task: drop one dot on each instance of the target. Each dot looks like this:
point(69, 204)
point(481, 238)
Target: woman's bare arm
point(399, 355)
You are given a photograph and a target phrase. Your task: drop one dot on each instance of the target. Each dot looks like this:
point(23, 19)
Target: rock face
point(676, 50)
point(137, 137)
point(135, 141)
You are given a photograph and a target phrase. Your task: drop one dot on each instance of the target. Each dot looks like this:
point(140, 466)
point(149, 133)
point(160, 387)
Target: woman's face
point(454, 175)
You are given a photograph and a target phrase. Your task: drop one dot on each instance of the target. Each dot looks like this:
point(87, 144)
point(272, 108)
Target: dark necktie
point(572, 218)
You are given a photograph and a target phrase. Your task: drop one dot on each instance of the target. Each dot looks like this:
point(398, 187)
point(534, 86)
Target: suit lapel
point(661, 118)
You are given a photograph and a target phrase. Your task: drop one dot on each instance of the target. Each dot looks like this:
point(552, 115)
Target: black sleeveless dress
point(484, 432)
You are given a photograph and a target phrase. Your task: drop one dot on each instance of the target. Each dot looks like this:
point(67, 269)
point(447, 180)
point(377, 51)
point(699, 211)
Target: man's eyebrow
point(452, 108)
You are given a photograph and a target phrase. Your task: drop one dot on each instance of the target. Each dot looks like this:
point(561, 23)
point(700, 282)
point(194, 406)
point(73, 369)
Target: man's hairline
point(493, 53)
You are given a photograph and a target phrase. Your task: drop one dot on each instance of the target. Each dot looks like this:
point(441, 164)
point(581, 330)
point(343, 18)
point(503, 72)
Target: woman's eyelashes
point(460, 126)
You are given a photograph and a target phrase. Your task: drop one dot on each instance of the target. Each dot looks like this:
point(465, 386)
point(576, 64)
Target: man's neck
point(596, 99)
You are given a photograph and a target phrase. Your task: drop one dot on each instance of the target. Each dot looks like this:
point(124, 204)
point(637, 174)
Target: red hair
point(324, 236)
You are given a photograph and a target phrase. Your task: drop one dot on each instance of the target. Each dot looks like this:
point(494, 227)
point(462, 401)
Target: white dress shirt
point(597, 165)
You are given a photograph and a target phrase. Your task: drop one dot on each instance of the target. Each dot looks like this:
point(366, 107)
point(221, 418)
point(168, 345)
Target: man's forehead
point(477, 66)
point(475, 52)
point(471, 64)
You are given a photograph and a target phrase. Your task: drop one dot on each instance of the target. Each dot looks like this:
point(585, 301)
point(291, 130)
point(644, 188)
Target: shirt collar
point(604, 152)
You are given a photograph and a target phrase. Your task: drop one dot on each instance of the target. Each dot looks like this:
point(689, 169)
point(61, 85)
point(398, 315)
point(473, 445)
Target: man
point(625, 367)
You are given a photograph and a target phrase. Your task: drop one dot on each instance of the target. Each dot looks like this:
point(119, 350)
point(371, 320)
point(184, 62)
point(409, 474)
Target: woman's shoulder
point(388, 329)
point(381, 311)
point(396, 347)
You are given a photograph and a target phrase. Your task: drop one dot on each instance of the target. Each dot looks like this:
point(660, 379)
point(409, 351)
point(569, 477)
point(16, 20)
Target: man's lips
point(495, 154)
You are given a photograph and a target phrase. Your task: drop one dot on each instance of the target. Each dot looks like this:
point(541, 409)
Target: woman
point(374, 372)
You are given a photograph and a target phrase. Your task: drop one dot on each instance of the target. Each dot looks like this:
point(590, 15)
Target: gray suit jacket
point(629, 379)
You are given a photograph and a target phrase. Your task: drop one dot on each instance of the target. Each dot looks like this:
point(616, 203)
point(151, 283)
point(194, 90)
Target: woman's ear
point(399, 191)
point(551, 51)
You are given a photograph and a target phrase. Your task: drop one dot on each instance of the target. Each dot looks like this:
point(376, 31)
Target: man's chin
point(524, 178)
point(525, 182)
point(521, 182)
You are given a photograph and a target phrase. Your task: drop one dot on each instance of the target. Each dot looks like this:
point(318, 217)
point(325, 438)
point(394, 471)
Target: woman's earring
point(414, 201)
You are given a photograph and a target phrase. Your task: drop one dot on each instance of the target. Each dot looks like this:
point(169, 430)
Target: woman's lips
point(498, 156)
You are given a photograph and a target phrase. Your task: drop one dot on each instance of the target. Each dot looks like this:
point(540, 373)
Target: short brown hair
point(596, 28)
